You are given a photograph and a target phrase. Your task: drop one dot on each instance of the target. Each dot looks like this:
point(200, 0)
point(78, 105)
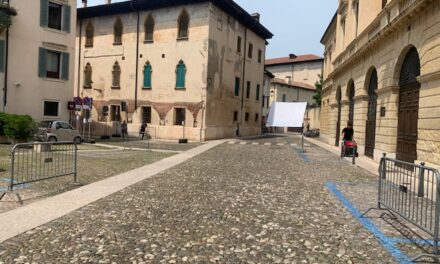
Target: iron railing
point(37, 161)
point(412, 192)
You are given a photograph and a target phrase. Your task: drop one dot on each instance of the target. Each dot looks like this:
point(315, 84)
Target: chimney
point(84, 3)
point(292, 56)
point(256, 16)
point(289, 79)
point(108, 1)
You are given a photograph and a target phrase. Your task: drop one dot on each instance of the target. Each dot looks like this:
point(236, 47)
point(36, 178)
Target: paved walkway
point(250, 203)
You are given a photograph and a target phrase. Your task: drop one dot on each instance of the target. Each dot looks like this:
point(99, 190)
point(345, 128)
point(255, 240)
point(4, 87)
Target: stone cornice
point(388, 89)
point(345, 102)
point(334, 104)
point(418, 7)
point(361, 97)
point(429, 77)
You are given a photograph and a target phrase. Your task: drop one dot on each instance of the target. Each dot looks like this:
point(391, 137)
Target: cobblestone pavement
point(233, 204)
point(153, 144)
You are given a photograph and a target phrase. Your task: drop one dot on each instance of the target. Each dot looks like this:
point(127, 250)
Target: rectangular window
point(55, 16)
point(239, 44)
point(115, 113)
point(284, 97)
point(258, 92)
point(179, 116)
point(237, 86)
point(50, 108)
point(246, 117)
point(146, 115)
point(257, 116)
point(248, 89)
point(2, 55)
point(235, 116)
point(53, 60)
point(260, 55)
point(251, 47)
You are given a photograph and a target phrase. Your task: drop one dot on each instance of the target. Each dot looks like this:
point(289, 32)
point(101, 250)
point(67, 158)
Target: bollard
point(354, 156)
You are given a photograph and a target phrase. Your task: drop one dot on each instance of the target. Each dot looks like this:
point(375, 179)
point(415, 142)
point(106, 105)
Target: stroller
point(348, 148)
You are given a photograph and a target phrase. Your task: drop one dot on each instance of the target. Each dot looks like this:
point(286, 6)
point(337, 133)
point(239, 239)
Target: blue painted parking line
point(302, 154)
point(388, 243)
point(18, 187)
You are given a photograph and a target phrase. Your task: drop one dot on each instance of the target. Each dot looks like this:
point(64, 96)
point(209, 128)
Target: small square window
point(235, 116)
point(246, 117)
point(55, 16)
point(179, 116)
point(53, 64)
point(50, 108)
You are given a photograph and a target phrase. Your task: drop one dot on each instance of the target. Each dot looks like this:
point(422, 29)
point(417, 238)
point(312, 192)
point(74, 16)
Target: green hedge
point(18, 127)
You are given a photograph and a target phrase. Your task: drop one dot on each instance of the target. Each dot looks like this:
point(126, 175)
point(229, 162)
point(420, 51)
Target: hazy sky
point(298, 25)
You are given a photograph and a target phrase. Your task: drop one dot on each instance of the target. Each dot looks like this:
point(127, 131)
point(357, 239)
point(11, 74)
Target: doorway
point(370, 130)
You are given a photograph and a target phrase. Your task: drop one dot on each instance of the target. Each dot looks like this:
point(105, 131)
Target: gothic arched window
point(89, 35)
point(118, 29)
point(149, 28)
point(183, 24)
point(180, 75)
point(147, 75)
point(88, 76)
point(116, 73)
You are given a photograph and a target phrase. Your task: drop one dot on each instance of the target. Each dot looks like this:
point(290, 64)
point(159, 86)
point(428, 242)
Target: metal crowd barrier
point(38, 161)
point(411, 191)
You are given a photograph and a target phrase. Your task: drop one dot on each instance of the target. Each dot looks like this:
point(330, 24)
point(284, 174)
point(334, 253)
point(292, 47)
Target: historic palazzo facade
point(193, 67)
point(382, 72)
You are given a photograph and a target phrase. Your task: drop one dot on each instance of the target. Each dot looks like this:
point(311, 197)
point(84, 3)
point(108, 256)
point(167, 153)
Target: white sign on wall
point(286, 115)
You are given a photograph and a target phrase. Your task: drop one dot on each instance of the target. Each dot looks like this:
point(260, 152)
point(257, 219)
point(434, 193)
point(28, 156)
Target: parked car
point(58, 131)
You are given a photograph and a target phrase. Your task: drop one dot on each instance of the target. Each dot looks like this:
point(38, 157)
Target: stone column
point(386, 126)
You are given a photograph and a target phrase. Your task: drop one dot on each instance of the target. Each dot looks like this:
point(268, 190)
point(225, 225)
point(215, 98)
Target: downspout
point(137, 59)
point(243, 77)
point(5, 89)
point(79, 59)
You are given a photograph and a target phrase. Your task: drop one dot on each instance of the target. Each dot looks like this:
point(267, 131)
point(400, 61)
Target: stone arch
point(116, 75)
point(149, 28)
point(408, 113)
point(88, 76)
point(89, 34)
point(371, 82)
point(399, 63)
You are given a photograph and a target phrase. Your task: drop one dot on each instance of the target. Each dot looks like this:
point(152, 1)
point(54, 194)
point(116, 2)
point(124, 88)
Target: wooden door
point(408, 115)
point(370, 131)
point(407, 130)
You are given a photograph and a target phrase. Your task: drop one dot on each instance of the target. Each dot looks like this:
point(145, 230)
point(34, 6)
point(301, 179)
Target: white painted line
point(41, 212)
point(267, 144)
point(243, 143)
point(255, 143)
point(280, 144)
point(232, 142)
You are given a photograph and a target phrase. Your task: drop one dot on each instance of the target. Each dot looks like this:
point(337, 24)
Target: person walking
point(142, 130)
point(124, 130)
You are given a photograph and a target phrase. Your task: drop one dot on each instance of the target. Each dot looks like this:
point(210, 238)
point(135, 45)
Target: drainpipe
point(137, 56)
point(243, 79)
point(79, 59)
point(5, 89)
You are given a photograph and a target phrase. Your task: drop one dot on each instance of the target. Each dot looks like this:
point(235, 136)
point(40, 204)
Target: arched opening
point(88, 76)
point(350, 95)
point(370, 130)
point(116, 74)
point(149, 28)
point(409, 93)
point(180, 75)
point(183, 24)
point(338, 122)
point(147, 75)
point(118, 29)
point(89, 35)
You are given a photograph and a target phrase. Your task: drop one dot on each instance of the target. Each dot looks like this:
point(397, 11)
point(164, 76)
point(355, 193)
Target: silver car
point(58, 131)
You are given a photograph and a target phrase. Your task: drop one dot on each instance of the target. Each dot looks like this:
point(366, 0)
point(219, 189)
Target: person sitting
point(142, 130)
point(347, 134)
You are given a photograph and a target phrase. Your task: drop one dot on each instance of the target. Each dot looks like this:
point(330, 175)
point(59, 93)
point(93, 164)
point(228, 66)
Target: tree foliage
point(318, 94)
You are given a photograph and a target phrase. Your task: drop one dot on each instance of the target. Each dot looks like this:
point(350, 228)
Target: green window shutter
point(147, 76)
point(66, 18)
point(258, 92)
point(237, 86)
point(44, 13)
point(181, 69)
point(2, 55)
point(65, 66)
point(42, 63)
